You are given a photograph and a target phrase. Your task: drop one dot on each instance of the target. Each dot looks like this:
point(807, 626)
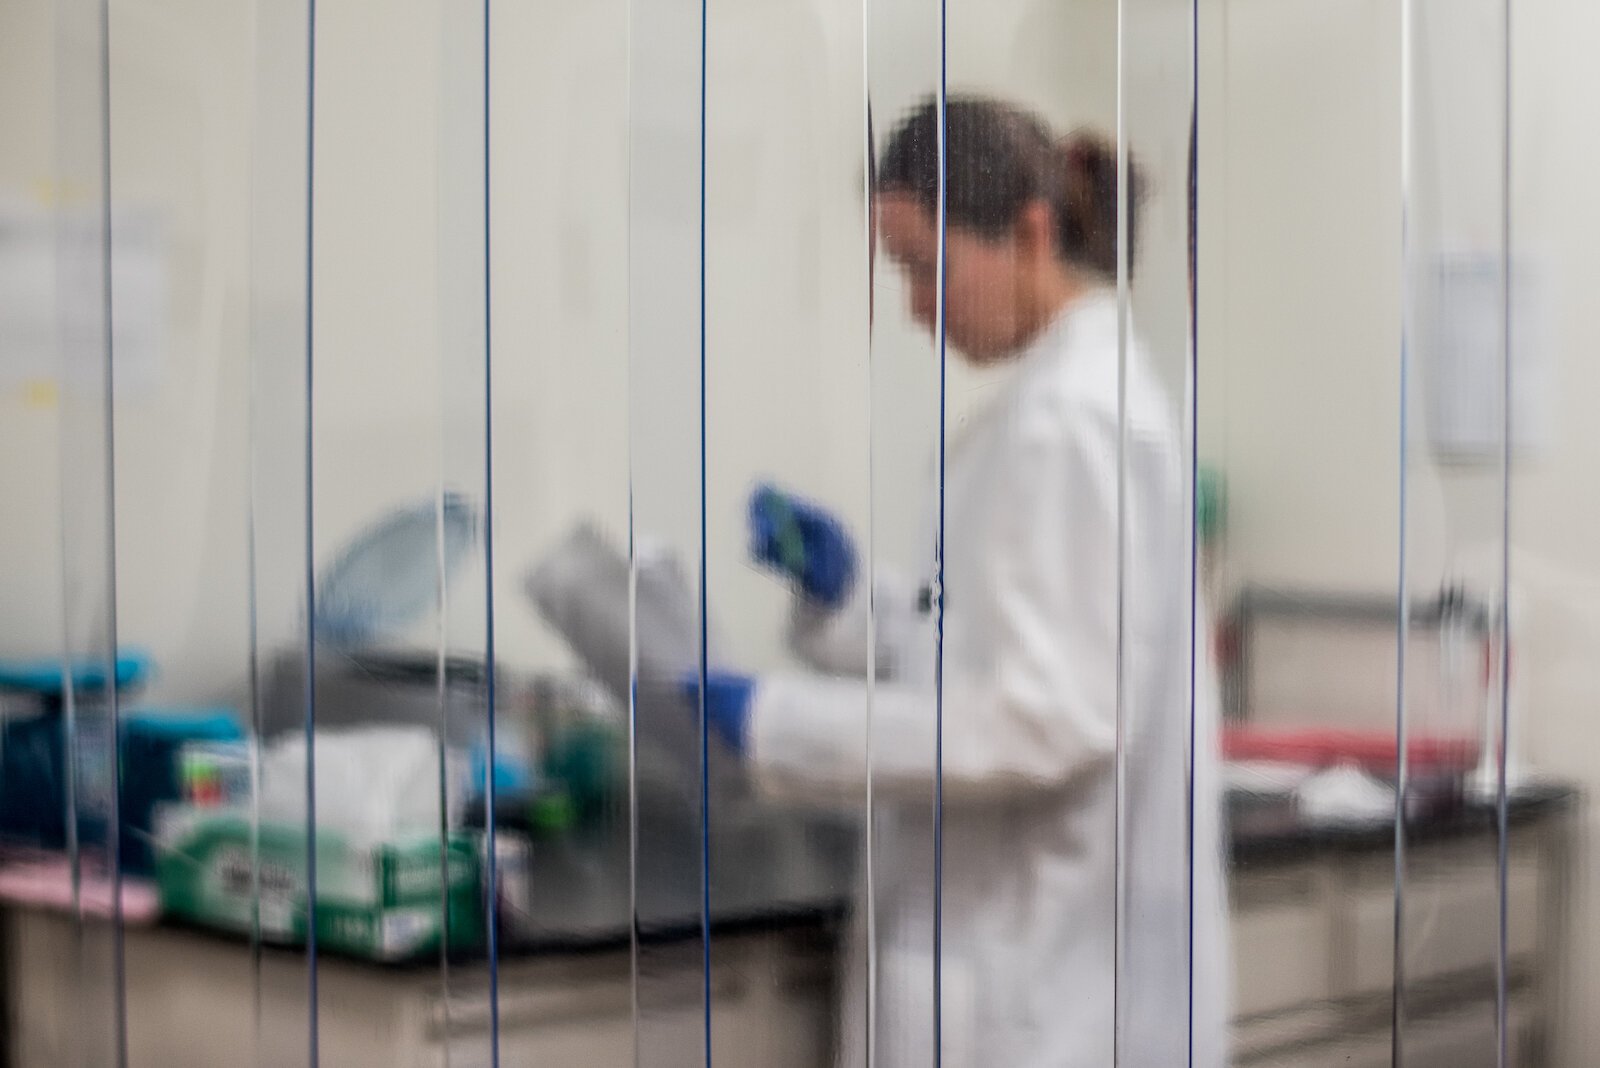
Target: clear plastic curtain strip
point(851, 533)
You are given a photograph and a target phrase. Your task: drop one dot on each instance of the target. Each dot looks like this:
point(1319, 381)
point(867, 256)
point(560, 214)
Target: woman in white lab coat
point(1069, 625)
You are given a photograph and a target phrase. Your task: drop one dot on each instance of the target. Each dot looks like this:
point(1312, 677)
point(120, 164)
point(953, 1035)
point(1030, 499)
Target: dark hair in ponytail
point(1001, 158)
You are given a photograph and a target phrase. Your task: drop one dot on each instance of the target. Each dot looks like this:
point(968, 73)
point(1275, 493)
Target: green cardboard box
point(380, 901)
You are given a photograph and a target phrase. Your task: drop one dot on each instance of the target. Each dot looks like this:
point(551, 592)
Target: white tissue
point(373, 783)
point(1345, 795)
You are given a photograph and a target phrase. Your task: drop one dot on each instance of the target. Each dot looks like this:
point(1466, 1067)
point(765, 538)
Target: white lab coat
point(1028, 973)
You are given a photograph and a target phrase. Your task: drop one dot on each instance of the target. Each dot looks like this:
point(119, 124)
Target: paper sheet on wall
point(1464, 359)
point(43, 338)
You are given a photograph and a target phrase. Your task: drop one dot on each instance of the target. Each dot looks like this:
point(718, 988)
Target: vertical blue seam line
point(442, 591)
point(633, 752)
point(1403, 628)
point(633, 569)
point(1197, 628)
point(442, 696)
point(1502, 815)
point(869, 888)
point(492, 887)
point(442, 605)
point(938, 561)
point(312, 1020)
point(114, 823)
point(1120, 764)
point(705, 753)
point(1402, 758)
point(1403, 614)
point(253, 586)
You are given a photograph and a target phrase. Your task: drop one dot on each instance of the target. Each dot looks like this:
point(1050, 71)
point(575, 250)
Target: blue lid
point(47, 676)
point(184, 724)
point(388, 577)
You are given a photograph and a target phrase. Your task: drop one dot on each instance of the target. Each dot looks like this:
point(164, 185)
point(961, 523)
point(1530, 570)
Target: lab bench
point(1312, 919)
point(192, 1000)
point(1313, 924)
point(780, 885)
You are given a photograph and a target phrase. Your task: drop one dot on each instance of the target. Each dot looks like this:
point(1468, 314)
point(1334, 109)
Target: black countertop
point(1266, 832)
point(771, 867)
point(774, 868)
point(779, 867)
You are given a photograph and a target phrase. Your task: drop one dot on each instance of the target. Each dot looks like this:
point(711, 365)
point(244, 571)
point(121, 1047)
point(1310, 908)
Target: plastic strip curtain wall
point(818, 627)
point(785, 412)
point(283, 1025)
point(1172, 920)
point(1454, 596)
point(400, 294)
point(671, 751)
point(906, 68)
point(94, 1022)
point(467, 668)
point(1397, 566)
point(1265, 256)
point(855, 409)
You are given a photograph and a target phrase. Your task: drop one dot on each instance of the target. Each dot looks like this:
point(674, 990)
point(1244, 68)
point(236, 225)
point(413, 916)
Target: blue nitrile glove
point(728, 697)
point(511, 773)
point(804, 542)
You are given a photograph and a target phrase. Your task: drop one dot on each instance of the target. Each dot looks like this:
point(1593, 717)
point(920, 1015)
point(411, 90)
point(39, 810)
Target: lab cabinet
point(1462, 902)
point(1457, 1040)
point(1312, 924)
point(1272, 910)
point(1314, 962)
point(192, 1002)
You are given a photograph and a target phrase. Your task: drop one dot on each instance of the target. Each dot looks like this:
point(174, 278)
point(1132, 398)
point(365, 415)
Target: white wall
point(1555, 518)
point(1299, 280)
point(1301, 321)
point(181, 498)
point(397, 286)
point(30, 564)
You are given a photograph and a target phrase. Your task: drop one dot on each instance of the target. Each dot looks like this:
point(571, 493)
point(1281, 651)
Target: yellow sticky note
point(52, 194)
point(39, 393)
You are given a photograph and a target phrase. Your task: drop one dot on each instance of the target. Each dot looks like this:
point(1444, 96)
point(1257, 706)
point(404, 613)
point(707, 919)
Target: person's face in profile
point(986, 310)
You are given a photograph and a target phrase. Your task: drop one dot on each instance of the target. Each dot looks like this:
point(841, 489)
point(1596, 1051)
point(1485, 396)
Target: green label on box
point(386, 901)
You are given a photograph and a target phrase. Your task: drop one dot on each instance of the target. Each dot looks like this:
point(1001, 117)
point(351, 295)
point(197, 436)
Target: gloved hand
point(804, 542)
point(728, 697)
